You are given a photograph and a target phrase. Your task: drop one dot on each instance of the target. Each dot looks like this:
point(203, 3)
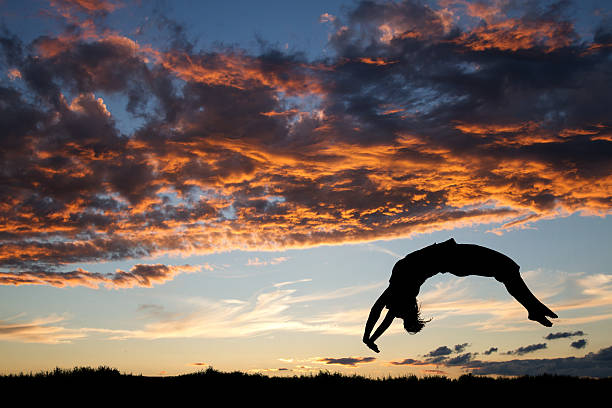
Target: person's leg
point(518, 289)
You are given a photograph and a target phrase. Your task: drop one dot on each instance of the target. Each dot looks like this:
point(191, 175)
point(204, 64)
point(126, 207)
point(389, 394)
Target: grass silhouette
point(107, 384)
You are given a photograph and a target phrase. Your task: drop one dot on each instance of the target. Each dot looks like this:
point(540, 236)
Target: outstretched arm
point(373, 318)
point(384, 325)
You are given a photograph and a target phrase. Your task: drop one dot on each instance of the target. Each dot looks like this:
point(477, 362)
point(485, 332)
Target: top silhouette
point(410, 272)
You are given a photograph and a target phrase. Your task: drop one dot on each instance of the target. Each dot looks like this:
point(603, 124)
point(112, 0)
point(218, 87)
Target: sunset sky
point(186, 184)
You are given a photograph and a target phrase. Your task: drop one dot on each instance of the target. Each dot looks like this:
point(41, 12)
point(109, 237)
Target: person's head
point(408, 310)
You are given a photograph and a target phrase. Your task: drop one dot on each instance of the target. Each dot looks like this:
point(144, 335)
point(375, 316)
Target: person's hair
point(414, 323)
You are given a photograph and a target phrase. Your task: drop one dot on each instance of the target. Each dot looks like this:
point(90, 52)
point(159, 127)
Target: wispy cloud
point(270, 370)
point(269, 311)
point(259, 262)
point(281, 284)
point(39, 330)
point(273, 310)
point(378, 248)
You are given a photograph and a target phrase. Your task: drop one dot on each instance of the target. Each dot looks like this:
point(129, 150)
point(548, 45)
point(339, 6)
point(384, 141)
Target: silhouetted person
point(410, 272)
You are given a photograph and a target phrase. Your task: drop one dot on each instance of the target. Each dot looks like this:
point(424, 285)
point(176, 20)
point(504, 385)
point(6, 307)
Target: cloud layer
point(597, 364)
point(115, 149)
point(139, 275)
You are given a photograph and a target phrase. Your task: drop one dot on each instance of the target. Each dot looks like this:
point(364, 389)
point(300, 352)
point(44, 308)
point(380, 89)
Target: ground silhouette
point(107, 385)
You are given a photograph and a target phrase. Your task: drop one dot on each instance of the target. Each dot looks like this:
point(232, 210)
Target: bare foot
point(540, 319)
point(373, 346)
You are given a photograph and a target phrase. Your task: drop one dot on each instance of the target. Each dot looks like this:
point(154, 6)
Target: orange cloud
point(139, 275)
point(515, 34)
point(14, 74)
point(239, 151)
point(88, 6)
point(487, 11)
point(327, 18)
point(240, 71)
point(376, 61)
point(483, 129)
point(498, 31)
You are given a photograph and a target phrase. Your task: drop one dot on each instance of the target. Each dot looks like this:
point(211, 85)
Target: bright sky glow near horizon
point(228, 184)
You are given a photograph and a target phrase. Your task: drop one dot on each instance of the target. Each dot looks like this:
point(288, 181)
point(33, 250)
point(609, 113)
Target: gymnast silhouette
point(411, 272)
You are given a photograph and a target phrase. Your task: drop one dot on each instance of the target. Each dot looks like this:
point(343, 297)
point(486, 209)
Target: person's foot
point(549, 313)
point(373, 346)
point(540, 319)
point(543, 310)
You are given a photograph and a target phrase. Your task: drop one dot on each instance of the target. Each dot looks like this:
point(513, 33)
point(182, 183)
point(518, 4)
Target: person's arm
point(373, 318)
point(384, 325)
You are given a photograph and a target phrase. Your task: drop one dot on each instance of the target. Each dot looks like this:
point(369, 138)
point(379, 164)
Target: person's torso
point(414, 269)
point(410, 272)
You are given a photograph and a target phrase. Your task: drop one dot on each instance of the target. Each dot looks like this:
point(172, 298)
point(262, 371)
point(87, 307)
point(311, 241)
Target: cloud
point(459, 360)
point(88, 6)
point(270, 370)
point(40, 330)
point(527, 349)
point(579, 344)
point(437, 372)
point(281, 284)
point(459, 348)
point(267, 312)
point(274, 261)
point(597, 364)
point(140, 275)
point(443, 360)
point(592, 365)
point(347, 361)
point(272, 151)
point(256, 262)
point(327, 18)
point(440, 351)
point(273, 310)
point(407, 361)
point(563, 335)
point(440, 356)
